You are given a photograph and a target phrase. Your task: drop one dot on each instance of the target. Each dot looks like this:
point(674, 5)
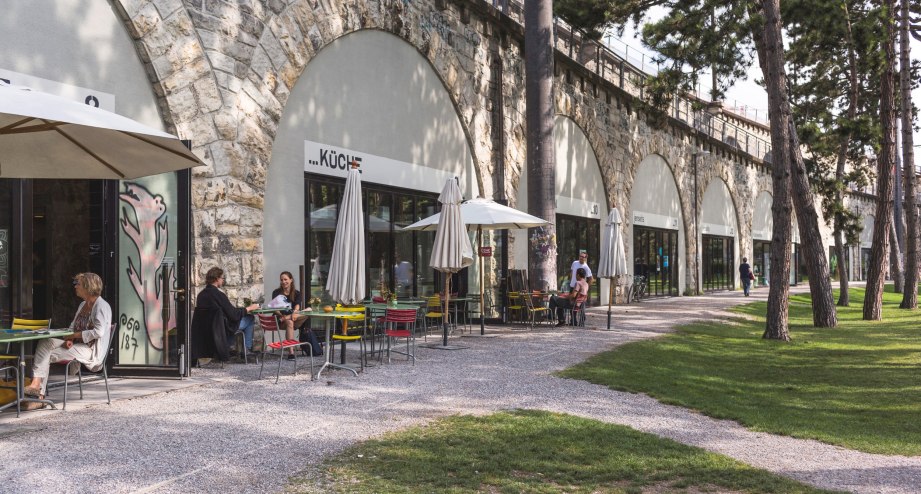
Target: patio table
point(21, 336)
point(331, 317)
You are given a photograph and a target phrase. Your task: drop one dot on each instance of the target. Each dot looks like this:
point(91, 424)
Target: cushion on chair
point(398, 333)
point(434, 314)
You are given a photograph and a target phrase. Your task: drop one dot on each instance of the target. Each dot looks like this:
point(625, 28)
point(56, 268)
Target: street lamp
point(697, 259)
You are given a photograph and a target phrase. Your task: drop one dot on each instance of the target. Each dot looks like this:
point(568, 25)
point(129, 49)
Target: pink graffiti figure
point(150, 236)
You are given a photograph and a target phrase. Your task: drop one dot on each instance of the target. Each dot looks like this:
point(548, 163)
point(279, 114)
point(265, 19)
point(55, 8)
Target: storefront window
point(6, 246)
point(655, 252)
point(397, 258)
point(718, 263)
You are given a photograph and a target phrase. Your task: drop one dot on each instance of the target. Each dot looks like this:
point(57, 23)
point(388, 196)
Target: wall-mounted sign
point(485, 251)
point(330, 160)
point(653, 220)
point(84, 95)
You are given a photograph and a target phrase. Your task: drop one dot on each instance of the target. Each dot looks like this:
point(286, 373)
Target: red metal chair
point(278, 346)
point(577, 314)
point(401, 323)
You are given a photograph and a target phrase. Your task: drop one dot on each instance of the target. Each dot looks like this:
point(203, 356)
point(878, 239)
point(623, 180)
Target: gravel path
point(240, 434)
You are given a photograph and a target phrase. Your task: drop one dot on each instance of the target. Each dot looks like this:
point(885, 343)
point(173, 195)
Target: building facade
point(278, 96)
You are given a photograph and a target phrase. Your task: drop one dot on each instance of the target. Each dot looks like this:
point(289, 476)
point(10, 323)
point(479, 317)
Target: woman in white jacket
point(88, 344)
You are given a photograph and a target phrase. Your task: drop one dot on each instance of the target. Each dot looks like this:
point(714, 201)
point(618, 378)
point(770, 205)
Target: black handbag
point(307, 335)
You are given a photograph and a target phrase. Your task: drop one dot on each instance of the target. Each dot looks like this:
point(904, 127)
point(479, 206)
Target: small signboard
point(485, 251)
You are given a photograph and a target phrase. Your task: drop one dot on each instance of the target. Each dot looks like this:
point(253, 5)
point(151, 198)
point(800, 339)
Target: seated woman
point(87, 345)
point(567, 301)
point(290, 320)
point(212, 298)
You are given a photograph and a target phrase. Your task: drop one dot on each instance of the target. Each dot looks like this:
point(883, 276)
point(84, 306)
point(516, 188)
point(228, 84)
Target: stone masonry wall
point(223, 70)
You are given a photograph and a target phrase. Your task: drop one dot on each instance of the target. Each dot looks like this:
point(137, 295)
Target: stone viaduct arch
point(223, 73)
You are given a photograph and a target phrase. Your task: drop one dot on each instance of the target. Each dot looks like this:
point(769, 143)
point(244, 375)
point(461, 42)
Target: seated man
point(574, 298)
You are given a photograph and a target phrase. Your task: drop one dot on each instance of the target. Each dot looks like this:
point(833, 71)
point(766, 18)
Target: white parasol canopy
point(484, 214)
point(452, 250)
point(613, 261)
point(46, 136)
point(346, 279)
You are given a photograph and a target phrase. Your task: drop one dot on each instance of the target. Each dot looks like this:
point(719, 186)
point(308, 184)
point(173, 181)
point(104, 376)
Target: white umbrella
point(613, 261)
point(325, 219)
point(346, 279)
point(452, 250)
point(46, 136)
point(484, 214)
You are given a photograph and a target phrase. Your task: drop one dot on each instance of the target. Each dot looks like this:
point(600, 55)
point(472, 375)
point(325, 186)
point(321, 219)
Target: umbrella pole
point(445, 310)
point(610, 299)
point(479, 230)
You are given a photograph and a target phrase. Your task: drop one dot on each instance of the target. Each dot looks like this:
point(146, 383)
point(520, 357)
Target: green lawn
point(857, 385)
point(535, 452)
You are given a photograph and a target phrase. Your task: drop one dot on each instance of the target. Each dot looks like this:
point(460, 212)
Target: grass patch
point(535, 452)
point(856, 385)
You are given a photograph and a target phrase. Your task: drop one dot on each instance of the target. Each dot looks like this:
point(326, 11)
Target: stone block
point(225, 123)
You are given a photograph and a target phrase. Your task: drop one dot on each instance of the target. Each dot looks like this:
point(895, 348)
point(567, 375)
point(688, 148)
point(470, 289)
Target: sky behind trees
point(744, 93)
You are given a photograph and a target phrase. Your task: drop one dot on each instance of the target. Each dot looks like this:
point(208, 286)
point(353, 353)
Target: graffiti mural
point(148, 312)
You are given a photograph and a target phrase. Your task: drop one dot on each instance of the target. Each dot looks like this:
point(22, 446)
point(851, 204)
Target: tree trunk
point(824, 314)
point(879, 251)
point(895, 256)
point(540, 157)
point(844, 296)
point(768, 41)
point(910, 291)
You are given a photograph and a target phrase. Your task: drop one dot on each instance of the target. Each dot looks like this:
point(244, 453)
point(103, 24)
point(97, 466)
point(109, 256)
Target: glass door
point(153, 273)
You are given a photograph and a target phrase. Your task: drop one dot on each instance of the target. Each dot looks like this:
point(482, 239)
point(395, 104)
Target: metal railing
point(626, 72)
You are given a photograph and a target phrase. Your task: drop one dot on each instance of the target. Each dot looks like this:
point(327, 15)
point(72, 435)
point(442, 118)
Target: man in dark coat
point(214, 301)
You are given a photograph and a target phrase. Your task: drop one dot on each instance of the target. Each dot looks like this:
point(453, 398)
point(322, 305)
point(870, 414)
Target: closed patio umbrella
point(46, 136)
point(484, 214)
point(452, 250)
point(346, 279)
point(613, 261)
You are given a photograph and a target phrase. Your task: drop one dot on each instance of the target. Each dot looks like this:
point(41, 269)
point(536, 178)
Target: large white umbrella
point(46, 136)
point(452, 250)
point(346, 279)
point(613, 261)
point(484, 214)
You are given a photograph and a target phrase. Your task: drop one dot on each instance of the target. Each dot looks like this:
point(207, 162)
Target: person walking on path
point(745, 272)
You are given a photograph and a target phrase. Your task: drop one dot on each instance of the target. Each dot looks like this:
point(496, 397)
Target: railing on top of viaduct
point(622, 73)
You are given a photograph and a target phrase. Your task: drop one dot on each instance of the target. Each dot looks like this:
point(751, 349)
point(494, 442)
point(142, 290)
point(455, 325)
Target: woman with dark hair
point(213, 298)
point(291, 319)
point(91, 327)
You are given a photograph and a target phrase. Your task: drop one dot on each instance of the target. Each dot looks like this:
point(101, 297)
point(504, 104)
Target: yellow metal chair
point(515, 307)
point(433, 310)
point(10, 362)
point(537, 311)
point(346, 336)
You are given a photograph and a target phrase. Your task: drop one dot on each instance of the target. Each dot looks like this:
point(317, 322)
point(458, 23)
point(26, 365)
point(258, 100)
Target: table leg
point(329, 361)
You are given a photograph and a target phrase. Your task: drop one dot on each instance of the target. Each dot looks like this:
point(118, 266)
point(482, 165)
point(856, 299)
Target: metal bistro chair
point(347, 336)
point(577, 314)
point(76, 367)
point(514, 306)
point(9, 362)
point(271, 327)
point(433, 310)
point(537, 313)
point(394, 319)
